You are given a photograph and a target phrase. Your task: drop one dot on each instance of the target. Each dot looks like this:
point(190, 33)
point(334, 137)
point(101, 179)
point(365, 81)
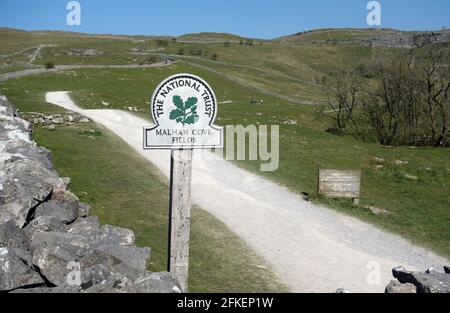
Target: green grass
point(125, 190)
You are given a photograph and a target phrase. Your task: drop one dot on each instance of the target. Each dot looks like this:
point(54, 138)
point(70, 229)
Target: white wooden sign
point(184, 109)
point(340, 184)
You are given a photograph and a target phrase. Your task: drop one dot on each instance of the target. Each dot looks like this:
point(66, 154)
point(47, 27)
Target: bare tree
point(406, 102)
point(435, 86)
point(391, 108)
point(343, 99)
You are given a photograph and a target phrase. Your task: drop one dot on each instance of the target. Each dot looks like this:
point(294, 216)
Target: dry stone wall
point(48, 241)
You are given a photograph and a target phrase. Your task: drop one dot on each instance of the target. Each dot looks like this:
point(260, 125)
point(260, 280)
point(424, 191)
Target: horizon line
point(215, 32)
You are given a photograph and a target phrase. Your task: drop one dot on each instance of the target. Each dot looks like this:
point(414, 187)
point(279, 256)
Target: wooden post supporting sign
point(180, 215)
point(184, 109)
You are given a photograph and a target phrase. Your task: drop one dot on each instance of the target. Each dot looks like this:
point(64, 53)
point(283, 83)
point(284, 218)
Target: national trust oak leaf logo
point(185, 112)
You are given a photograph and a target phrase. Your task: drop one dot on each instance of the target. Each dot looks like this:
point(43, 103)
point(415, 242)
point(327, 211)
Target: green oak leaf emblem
point(185, 112)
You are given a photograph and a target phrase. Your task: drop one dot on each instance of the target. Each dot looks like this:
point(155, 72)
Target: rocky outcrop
point(48, 241)
point(52, 120)
point(430, 281)
point(385, 39)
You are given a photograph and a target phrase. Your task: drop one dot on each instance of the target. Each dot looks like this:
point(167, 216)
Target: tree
point(406, 100)
point(435, 91)
point(343, 99)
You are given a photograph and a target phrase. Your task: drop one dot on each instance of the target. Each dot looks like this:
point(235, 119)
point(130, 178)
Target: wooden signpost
point(184, 109)
point(340, 184)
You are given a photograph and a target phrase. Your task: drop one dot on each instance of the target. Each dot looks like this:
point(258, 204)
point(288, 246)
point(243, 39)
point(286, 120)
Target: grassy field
point(415, 194)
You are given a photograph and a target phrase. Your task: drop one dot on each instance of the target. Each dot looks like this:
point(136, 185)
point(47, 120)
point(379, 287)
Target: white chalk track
point(310, 247)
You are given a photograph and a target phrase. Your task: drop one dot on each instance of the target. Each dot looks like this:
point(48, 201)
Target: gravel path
point(312, 248)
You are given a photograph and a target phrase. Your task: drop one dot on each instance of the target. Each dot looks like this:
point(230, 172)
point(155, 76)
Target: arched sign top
point(184, 108)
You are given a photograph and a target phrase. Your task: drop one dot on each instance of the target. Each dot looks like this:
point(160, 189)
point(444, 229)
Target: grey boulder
point(84, 209)
point(156, 283)
point(12, 236)
point(396, 287)
point(64, 211)
point(148, 283)
point(19, 149)
point(43, 224)
point(75, 244)
point(53, 263)
point(425, 282)
point(15, 271)
point(101, 236)
point(130, 262)
point(26, 184)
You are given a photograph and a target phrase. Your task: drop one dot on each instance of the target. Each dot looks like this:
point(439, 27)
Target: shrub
point(49, 65)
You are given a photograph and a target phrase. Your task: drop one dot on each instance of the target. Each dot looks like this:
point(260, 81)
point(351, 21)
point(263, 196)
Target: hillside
point(290, 67)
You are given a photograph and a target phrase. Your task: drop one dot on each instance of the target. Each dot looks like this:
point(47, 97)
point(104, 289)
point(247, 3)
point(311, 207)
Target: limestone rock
point(84, 226)
point(64, 195)
point(64, 211)
point(52, 262)
point(432, 282)
point(77, 245)
point(19, 149)
point(84, 209)
point(12, 236)
point(15, 273)
point(148, 283)
point(43, 224)
point(27, 183)
point(156, 283)
point(397, 287)
point(131, 262)
point(118, 235)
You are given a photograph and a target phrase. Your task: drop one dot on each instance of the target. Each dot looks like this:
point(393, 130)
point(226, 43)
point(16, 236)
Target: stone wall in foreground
point(430, 281)
point(48, 240)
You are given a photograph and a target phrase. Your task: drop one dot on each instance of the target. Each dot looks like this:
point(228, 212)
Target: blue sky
point(251, 18)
